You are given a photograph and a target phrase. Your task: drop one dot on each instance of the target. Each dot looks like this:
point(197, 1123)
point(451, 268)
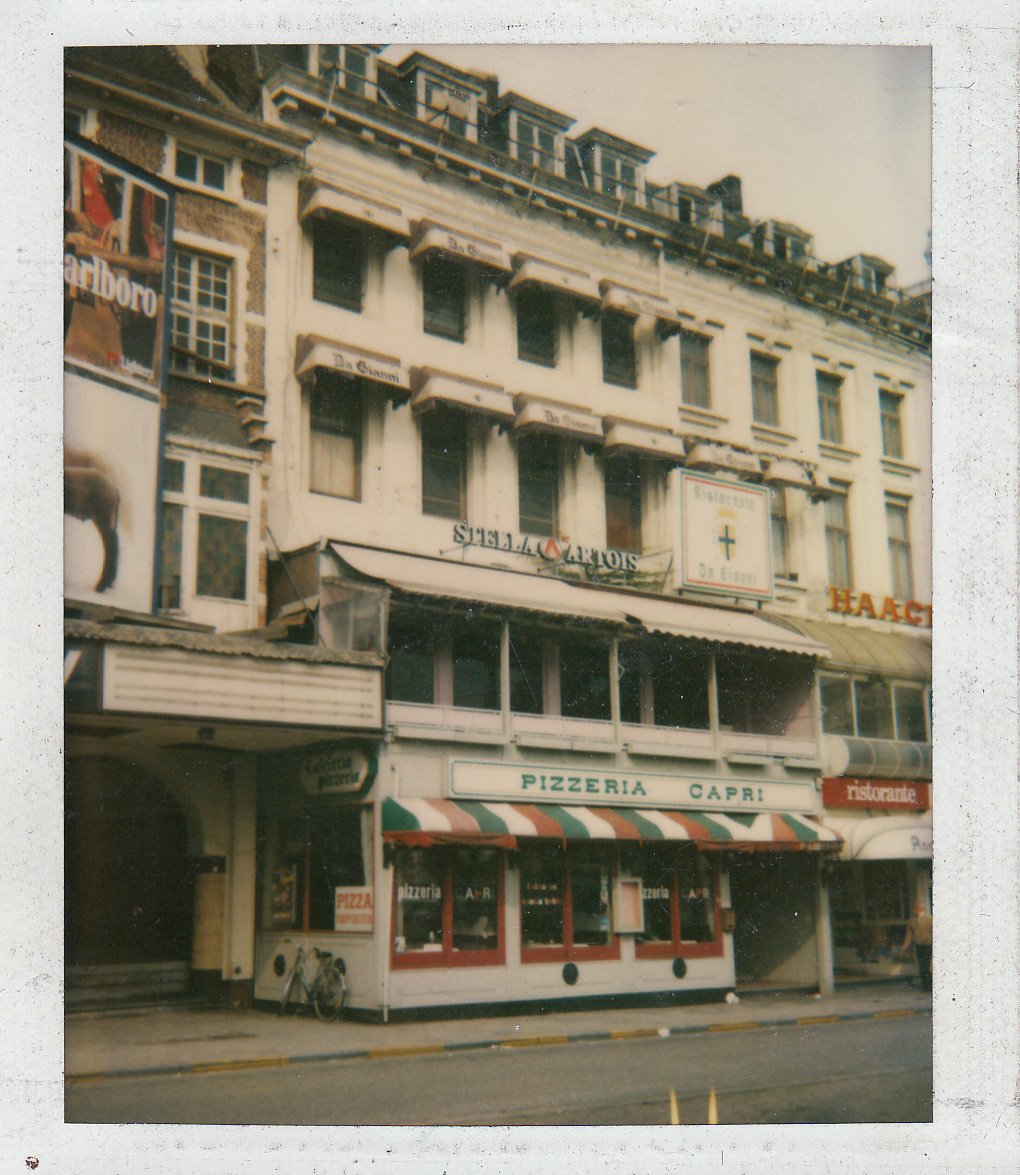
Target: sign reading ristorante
point(844, 792)
point(564, 785)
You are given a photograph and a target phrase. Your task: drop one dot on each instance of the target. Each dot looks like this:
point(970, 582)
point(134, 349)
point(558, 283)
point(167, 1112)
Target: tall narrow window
point(695, 389)
point(584, 678)
point(780, 532)
point(830, 419)
point(889, 406)
point(899, 548)
point(337, 263)
point(335, 437)
point(619, 355)
point(764, 389)
point(837, 540)
point(444, 296)
point(538, 485)
point(619, 179)
point(200, 338)
point(444, 464)
point(536, 146)
point(623, 503)
point(536, 327)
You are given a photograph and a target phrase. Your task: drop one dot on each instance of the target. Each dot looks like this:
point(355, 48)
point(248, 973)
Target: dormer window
point(785, 242)
point(528, 132)
point(354, 67)
point(613, 166)
point(444, 97)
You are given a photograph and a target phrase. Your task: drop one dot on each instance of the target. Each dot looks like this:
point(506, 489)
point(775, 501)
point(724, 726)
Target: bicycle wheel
point(288, 989)
point(330, 993)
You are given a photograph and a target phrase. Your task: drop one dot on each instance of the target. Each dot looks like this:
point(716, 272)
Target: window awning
point(439, 388)
point(883, 838)
point(313, 351)
point(536, 415)
point(786, 474)
point(723, 625)
point(855, 647)
point(627, 300)
point(558, 278)
point(624, 436)
point(436, 238)
point(876, 758)
point(447, 579)
point(707, 456)
point(422, 822)
point(387, 218)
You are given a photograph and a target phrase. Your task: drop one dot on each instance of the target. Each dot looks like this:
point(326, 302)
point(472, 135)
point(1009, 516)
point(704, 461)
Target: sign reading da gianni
point(563, 785)
point(726, 531)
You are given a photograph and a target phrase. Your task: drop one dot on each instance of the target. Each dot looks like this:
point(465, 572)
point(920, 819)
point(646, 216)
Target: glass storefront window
point(678, 890)
point(695, 882)
point(886, 897)
point(475, 899)
point(566, 903)
point(656, 897)
point(542, 899)
point(589, 893)
point(418, 916)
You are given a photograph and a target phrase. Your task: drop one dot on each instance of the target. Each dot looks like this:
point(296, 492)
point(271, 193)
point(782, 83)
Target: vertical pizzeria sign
point(117, 228)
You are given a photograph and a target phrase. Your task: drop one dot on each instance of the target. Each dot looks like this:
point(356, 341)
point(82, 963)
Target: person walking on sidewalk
point(919, 930)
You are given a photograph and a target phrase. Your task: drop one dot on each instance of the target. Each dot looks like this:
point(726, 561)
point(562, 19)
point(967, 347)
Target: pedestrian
point(919, 933)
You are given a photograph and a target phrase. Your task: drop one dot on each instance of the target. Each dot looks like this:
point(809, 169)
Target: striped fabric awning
point(423, 822)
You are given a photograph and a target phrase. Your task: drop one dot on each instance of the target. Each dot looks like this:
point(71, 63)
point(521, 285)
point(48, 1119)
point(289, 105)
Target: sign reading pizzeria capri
point(725, 537)
point(582, 785)
point(336, 771)
point(844, 601)
point(844, 792)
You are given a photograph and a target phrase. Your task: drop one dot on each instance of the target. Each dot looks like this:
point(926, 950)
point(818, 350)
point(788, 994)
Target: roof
point(153, 63)
point(474, 81)
point(596, 135)
point(546, 113)
point(860, 648)
point(203, 642)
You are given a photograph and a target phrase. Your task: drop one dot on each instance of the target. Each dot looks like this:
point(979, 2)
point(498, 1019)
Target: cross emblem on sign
point(727, 541)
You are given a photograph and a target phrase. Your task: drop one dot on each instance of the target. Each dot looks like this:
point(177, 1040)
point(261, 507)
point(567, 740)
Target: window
point(205, 171)
point(355, 67)
point(538, 485)
point(410, 674)
point(623, 503)
point(911, 713)
point(759, 693)
point(527, 659)
point(337, 263)
point(695, 390)
point(200, 312)
point(764, 389)
point(474, 648)
point(837, 705)
point(536, 327)
point(837, 540)
point(872, 708)
point(204, 545)
point(566, 906)
point(889, 406)
point(336, 409)
point(897, 525)
point(830, 420)
point(449, 107)
point(536, 146)
point(780, 532)
point(584, 678)
point(444, 463)
point(444, 296)
point(619, 356)
point(679, 895)
point(665, 683)
point(619, 179)
point(447, 907)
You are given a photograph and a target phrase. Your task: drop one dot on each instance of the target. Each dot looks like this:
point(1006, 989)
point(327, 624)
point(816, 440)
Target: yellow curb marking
point(819, 1020)
point(674, 1113)
point(226, 1066)
point(733, 1027)
point(632, 1033)
point(713, 1112)
point(891, 1015)
point(408, 1051)
point(530, 1040)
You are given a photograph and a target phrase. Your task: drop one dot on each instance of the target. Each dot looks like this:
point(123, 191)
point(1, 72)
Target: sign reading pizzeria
point(338, 770)
point(725, 539)
point(894, 794)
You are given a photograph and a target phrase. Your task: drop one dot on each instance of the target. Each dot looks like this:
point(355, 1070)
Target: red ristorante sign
point(845, 792)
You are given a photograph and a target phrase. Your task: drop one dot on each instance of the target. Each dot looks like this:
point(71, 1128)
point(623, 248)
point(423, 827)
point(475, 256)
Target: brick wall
point(253, 181)
point(255, 354)
point(235, 226)
point(141, 145)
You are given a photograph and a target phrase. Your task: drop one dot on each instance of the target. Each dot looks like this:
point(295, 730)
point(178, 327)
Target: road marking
point(818, 1020)
point(226, 1066)
point(632, 1033)
point(674, 1113)
point(408, 1051)
point(713, 1110)
point(530, 1040)
point(893, 1015)
point(734, 1027)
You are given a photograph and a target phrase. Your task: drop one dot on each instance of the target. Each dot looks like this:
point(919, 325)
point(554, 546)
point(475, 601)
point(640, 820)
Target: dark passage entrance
point(127, 877)
point(773, 900)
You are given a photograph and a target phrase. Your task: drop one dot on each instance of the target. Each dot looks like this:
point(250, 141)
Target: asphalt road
point(851, 1071)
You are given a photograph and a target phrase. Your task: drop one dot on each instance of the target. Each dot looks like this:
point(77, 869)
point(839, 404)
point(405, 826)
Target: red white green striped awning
point(421, 821)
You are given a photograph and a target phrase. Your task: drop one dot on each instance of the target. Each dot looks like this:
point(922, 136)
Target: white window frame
point(239, 317)
point(319, 69)
point(428, 114)
point(231, 189)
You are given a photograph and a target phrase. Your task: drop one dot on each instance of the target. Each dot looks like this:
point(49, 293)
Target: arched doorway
point(127, 879)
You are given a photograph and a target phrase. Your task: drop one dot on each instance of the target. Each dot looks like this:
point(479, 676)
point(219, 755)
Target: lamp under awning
point(387, 218)
point(557, 278)
point(473, 396)
point(424, 821)
point(708, 457)
point(432, 238)
point(315, 351)
point(535, 415)
point(624, 436)
point(627, 300)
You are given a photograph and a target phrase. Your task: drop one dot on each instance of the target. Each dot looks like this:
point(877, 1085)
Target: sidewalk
point(183, 1040)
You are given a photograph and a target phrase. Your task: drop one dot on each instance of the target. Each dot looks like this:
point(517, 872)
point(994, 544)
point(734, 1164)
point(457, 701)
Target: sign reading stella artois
point(725, 537)
point(545, 548)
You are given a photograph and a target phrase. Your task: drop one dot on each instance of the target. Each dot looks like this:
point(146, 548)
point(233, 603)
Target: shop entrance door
point(773, 900)
point(127, 883)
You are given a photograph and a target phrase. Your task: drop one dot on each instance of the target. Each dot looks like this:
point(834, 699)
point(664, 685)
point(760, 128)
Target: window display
point(679, 891)
point(566, 904)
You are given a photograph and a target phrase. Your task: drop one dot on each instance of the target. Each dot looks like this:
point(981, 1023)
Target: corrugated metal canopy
point(859, 648)
point(426, 821)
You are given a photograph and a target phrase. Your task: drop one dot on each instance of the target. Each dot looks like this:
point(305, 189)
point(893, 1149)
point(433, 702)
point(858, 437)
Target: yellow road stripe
point(408, 1051)
point(674, 1113)
point(523, 1042)
point(890, 1015)
point(733, 1027)
point(632, 1033)
point(86, 1077)
point(819, 1020)
point(224, 1066)
point(713, 1109)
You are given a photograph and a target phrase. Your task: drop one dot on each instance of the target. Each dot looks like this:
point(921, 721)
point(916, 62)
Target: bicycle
point(327, 990)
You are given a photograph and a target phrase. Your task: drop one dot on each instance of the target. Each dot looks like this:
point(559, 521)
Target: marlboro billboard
point(117, 224)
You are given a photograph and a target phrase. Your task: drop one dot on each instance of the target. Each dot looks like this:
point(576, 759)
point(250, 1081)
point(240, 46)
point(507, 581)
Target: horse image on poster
point(90, 495)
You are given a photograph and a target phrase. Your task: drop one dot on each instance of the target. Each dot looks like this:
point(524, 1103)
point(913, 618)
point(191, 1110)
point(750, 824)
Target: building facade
point(631, 493)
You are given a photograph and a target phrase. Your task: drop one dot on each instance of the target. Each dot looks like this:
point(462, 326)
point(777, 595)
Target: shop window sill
point(573, 734)
point(668, 742)
point(444, 723)
point(772, 746)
